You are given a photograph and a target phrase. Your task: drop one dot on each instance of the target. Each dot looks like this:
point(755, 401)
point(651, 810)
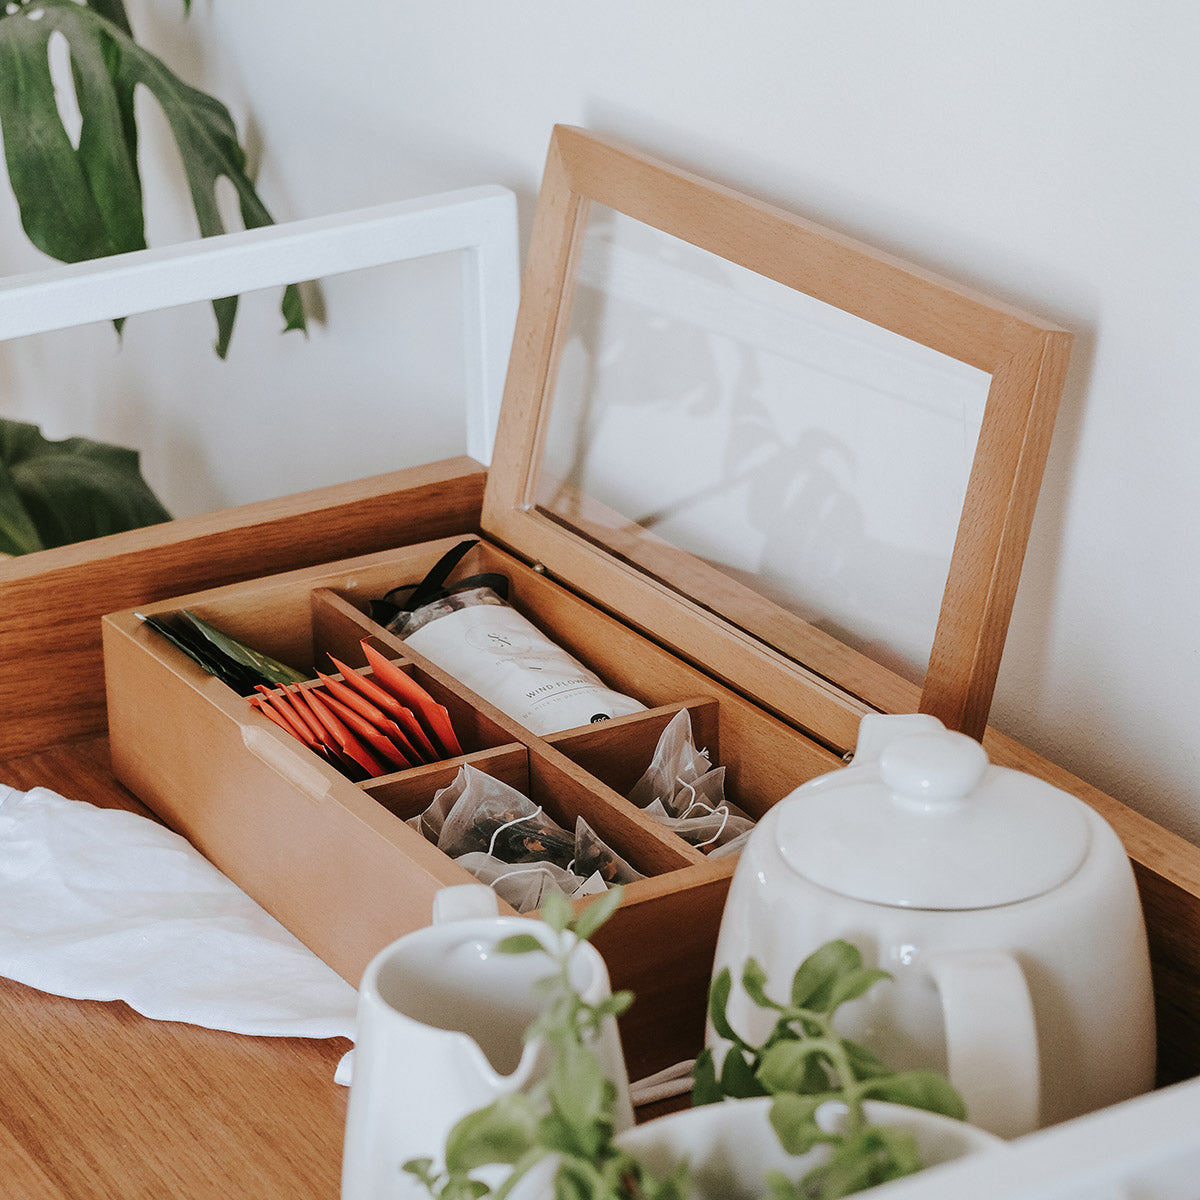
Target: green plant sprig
point(804, 1063)
point(569, 1115)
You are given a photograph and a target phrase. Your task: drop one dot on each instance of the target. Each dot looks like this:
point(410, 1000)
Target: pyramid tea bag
point(683, 790)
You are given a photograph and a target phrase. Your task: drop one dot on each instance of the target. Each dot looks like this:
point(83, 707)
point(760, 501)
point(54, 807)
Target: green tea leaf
point(269, 668)
point(813, 983)
point(56, 493)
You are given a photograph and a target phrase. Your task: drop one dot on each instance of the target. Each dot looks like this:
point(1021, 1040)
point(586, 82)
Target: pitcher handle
point(462, 901)
point(991, 1038)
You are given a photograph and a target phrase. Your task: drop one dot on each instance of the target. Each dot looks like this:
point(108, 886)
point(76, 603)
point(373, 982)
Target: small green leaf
point(718, 1001)
point(422, 1168)
point(500, 1133)
point(556, 911)
point(794, 1120)
point(863, 1063)
point(615, 1005)
point(577, 1085)
point(812, 985)
point(780, 1187)
point(853, 984)
point(864, 1160)
point(463, 1188)
point(795, 1066)
point(519, 943)
point(738, 1078)
point(754, 981)
point(294, 320)
point(597, 913)
point(919, 1089)
point(705, 1088)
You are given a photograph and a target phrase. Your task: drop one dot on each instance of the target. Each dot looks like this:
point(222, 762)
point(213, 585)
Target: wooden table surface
point(99, 1102)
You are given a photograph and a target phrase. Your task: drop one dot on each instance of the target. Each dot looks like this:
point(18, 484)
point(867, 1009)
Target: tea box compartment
point(335, 860)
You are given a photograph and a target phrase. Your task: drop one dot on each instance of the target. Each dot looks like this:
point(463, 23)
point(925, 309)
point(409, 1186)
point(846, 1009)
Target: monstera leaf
point(54, 493)
point(85, 201)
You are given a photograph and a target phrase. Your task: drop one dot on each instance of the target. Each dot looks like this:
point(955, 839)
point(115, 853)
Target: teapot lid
point(921, 819)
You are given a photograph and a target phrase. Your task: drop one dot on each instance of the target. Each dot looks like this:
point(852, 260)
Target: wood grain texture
point(1025, 356)
point(104, 1103)
point(985, 566)
point(51, 678)
point(23, 1178)
point(97, 1102)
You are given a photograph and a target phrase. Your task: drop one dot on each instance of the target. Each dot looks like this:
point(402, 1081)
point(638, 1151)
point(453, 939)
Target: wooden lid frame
point(1025, 357)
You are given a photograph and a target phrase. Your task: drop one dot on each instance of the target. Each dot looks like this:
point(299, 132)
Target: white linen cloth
point(102, 904)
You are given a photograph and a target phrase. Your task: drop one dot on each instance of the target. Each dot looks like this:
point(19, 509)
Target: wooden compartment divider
point(335, 860)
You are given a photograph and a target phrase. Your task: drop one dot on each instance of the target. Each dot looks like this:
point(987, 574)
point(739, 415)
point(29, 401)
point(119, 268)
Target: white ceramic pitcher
point(1004, 908)
point(441, 1022)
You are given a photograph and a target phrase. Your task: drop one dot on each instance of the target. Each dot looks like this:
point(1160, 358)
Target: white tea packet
point(482, 641)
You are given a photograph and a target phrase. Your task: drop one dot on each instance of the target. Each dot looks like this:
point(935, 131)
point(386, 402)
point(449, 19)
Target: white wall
point(1043, 151)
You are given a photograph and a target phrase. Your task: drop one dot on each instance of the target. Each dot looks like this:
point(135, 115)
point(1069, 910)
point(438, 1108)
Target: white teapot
point(1005, 910)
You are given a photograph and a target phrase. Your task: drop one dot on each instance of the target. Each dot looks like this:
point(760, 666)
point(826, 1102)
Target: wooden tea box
point(774, 698)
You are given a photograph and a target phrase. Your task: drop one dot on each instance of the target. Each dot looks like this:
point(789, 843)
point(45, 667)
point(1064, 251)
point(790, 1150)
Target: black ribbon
point(433, 587)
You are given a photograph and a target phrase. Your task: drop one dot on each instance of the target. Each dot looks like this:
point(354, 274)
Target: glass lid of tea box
point(778, 451)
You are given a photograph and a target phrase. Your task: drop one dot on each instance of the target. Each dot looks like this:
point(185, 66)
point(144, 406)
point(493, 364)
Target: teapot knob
point(933, 771)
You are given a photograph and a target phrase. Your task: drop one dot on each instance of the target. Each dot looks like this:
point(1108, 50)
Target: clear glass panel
point(811, 456)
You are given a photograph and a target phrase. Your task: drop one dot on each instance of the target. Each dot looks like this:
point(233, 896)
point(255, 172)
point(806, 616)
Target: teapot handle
point(991, 1038)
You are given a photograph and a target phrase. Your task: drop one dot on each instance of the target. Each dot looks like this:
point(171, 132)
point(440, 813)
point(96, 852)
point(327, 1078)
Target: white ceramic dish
point(731, 1146)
